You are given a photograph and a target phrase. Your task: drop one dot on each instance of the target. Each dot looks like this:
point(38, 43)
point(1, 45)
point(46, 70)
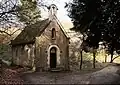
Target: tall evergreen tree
point(99, 20)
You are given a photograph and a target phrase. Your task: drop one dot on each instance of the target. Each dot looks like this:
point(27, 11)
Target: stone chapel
point(44, 44)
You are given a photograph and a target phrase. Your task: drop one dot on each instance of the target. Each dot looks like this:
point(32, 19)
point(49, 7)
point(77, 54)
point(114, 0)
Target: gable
point(46, 37)
point(61, 27)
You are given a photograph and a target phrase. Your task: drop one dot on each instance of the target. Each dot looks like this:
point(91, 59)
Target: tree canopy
point(18, 13)
point(99, 20)
point(29, 12)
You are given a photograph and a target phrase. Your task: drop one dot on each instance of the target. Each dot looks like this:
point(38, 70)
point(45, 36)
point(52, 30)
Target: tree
point(99, 20)
point(81, 59)
point(14, 12)
point(29, 12)
point(82, 47)
point(94, 56)
point(75, 53)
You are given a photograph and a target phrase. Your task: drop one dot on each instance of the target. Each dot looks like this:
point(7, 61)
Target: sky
point(61, 13)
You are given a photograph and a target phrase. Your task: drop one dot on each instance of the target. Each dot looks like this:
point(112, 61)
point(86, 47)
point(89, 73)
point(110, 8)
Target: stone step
point(55, 69)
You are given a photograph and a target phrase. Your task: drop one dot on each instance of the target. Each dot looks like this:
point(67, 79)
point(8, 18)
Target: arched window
point(53, 33)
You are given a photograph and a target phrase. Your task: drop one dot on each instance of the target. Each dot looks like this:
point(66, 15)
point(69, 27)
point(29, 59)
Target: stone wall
point(44, 41)
point(23, 55)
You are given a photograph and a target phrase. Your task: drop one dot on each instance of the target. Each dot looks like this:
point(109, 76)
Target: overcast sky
point(62, 13)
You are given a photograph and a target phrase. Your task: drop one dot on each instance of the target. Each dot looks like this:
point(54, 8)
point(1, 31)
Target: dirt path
point(51, 78)
point(108, 75)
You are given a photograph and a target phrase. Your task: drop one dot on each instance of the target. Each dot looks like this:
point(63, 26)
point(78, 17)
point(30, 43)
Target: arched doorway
point(53, 58)
point(57, 52)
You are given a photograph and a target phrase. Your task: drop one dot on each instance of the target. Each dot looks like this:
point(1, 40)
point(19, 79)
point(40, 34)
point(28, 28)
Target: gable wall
point(44, 41)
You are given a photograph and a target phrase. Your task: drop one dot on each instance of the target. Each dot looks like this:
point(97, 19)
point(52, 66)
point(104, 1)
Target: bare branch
point(115, 57)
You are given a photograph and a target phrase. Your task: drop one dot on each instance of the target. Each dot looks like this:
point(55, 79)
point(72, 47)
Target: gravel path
point(108, 75)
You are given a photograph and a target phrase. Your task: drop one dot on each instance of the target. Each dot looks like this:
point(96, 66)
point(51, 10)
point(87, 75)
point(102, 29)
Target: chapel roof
point(29, 33)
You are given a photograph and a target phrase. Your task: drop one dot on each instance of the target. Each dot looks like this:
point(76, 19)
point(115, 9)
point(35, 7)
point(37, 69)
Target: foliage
point(13, 12)
point(5, 52)
point(11, 76)
point(29, 12)
point(7, 13)
point(99, 20)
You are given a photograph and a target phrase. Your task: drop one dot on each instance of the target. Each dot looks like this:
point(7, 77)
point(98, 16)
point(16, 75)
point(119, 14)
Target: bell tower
point(52, 10)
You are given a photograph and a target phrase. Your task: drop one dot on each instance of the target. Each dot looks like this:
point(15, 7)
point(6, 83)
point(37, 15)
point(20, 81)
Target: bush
point(5, 53)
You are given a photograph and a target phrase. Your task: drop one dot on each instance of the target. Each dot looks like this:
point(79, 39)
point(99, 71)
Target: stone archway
point(55, 56)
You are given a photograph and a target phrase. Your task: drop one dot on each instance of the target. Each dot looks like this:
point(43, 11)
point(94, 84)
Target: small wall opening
point(53, 33)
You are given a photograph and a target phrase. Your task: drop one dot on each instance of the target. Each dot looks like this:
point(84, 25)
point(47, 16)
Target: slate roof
point(29, 33)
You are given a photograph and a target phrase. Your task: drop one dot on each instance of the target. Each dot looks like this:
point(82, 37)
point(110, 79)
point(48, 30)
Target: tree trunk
point(94, 56)
point(111, 57)
point(81, 59)
point(0, 66)
point(105, 58)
